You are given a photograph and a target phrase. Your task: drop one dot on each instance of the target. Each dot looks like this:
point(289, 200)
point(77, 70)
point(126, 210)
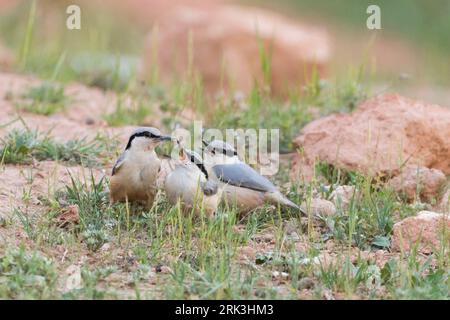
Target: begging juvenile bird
point(135, 172)
point(189, 183)
point(243, 186)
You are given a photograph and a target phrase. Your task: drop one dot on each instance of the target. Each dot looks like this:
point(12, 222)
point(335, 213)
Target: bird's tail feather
point(277, 197)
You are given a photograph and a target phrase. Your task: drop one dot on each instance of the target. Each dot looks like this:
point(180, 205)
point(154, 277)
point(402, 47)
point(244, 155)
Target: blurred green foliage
point(39, 37)
point(426, 24)
point(418, 20)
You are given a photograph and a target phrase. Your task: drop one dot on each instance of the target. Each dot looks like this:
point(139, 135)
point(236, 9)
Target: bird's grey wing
point(242, 175)
point(118, 163)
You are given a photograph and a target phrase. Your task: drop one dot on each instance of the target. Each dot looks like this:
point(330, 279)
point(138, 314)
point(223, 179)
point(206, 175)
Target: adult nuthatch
point(135, 172)
point(189, 183)
point(243, 186)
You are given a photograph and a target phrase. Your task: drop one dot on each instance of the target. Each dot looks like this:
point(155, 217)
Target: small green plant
point(17, 146)
point(335, 175)
point(415, 279)
point(27, 222)
point(343, 275)
point(96, 218)
point(26, 275)
point(77, 151)
point(342, 95)
point(24, 145)
point(90, 280)
point(46, 99)
point(368, 219)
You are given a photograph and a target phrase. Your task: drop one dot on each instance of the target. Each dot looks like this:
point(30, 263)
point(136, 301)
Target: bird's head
point(191, 160)
point(146, 139)
point(219, 152)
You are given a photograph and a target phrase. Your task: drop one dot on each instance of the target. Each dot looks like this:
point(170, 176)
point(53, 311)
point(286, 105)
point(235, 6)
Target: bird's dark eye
point(150, 135)
point(213, 151)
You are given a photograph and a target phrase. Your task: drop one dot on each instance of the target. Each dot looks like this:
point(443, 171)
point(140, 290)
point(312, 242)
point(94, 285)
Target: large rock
point(223, 44)
point(144, 13)
point(379, 137)
point(418, 183)
point(430, 230)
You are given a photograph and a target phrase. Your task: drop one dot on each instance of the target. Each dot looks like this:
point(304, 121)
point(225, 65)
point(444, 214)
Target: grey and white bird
point(243, 186)
point(190, 185)
point(136, 170)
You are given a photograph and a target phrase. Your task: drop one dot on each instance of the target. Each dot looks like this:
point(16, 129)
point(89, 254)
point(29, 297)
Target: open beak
point(182, 154)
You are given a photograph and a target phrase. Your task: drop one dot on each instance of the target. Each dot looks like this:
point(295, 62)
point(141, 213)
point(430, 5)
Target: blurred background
point(229, 46)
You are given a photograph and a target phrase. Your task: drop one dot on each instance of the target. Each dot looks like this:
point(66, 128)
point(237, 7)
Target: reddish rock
point(417, 182)
point(319, 207)
point(145, 12)
point(430, 230)
point(223, 43)
point(342, 196)
point(381, 135)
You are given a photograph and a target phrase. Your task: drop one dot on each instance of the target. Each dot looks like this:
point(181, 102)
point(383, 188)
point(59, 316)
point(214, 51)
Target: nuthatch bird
point(243, 186)
point(189, 183)
point(136, 170)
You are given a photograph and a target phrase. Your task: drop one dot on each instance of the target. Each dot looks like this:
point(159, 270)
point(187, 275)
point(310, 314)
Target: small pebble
point(306, 283)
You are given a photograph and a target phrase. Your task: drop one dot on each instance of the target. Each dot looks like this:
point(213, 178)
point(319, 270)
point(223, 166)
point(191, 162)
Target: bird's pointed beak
point(165, 138)
point(205, 143)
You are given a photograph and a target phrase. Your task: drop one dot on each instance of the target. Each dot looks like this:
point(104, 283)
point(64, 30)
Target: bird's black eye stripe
point(226, 152)
point(140, 134)
point(149, 135)
point(199, 165)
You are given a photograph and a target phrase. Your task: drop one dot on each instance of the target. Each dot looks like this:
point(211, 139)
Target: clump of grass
point(77, 151)
point(46, 99)
point(104, 70)
point(350, 277)
point(90, 280)
point(96, 217)
point(18, 146)
point(335, 176)
point(24, 145)
point(368, 220)
point(28, 223)
point(416, 280)
point(26, 275)
point(342, 95)
point(134, 115)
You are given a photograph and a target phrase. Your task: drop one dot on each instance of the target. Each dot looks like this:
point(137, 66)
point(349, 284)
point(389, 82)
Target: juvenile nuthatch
point(189, 184)
point(135, 172)
point(243, 186)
